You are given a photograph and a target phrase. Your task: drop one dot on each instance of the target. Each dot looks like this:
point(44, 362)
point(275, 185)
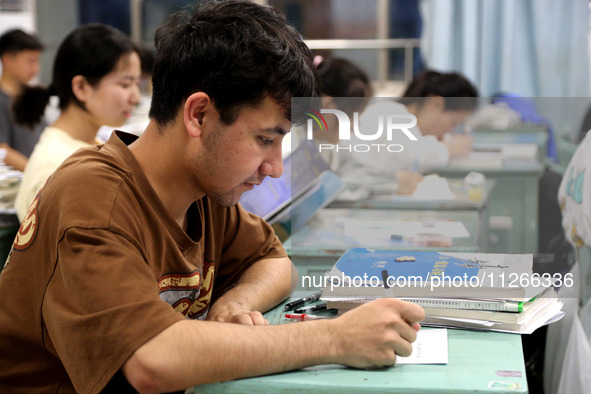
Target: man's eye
point(266, 141)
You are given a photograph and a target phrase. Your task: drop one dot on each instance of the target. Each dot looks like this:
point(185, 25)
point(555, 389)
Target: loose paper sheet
point(429, 348)
point(363, 229)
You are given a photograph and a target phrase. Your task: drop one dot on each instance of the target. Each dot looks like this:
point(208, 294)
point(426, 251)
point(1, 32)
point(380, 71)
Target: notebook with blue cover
point(359, 273)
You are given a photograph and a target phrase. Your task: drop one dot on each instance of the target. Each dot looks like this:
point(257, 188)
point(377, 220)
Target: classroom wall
point(22, 20)
point(58, 18)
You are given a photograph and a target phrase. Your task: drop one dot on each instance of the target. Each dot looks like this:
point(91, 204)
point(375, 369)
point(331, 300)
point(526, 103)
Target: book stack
point(481, 291)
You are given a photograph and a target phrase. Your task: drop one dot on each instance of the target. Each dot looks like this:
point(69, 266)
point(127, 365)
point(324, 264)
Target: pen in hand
point(390, 294)
point(302, 301)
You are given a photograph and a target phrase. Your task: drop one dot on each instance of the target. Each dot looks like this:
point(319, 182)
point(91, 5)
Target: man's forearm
point(214, 351)
point(263, 285)
point(190, 353)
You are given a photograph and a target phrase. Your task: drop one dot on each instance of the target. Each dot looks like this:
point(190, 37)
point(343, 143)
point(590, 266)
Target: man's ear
point(80, 88)
point(196, 107)
point(7, 59)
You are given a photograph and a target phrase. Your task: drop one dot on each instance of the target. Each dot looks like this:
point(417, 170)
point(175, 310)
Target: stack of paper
point(496, 292)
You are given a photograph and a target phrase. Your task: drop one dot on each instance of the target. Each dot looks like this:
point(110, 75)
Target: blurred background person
point(345, 87)
point(440, 102)
point(96, 74)
point(19, 53)
point(139, 119)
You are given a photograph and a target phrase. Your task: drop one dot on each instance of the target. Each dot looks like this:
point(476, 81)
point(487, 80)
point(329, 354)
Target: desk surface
point(461, 166)
point(514, 200)
point(483, 362)
point(537, 135)
point(533, 135)
point(324, 235)
point(465, 200)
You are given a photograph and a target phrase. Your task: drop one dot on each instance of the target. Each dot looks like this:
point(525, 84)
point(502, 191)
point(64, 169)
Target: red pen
point(303, 316)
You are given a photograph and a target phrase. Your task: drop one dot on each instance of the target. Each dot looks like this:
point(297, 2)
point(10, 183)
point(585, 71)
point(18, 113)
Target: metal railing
point(383, 45)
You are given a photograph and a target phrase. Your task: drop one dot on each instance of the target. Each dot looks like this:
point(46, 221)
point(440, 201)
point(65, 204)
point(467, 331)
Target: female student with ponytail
point(345, 87)
point(440, 102)
point(95, 76)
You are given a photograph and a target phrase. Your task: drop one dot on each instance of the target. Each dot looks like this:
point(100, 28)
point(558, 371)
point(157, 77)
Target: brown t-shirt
point(97, 265)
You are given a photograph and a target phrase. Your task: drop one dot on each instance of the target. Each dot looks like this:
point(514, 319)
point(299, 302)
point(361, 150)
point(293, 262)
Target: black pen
point(302, 301)
point(315, 308)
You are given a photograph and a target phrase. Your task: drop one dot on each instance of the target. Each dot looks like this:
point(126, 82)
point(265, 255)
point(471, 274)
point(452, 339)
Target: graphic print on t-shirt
point(28, 230)
point(188, 293)
point(200, 306)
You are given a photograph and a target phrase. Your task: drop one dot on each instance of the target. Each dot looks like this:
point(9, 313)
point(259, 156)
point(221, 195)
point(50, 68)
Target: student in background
point(137, 122)
point(95, 76)
point(345, 87)
point(130, 245)
point(440, 102)
point(19, 54)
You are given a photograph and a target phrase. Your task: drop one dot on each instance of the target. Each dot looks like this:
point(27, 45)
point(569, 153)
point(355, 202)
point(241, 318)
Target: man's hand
point(407, 181)
point(262, 286)
point(372, 334)
point(234, 312)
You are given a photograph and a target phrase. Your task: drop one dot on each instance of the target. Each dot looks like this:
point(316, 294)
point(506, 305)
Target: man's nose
point(273, 165)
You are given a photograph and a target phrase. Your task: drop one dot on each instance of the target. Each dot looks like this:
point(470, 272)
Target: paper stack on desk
point(10, 181)
point(482, 291)
point(428, 232)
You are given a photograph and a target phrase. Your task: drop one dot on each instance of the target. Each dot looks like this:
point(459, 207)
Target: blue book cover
point(301, 170)
point(327, 187)
point(361, 272)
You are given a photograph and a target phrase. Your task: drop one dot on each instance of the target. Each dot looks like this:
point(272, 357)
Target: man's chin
point(225, 200)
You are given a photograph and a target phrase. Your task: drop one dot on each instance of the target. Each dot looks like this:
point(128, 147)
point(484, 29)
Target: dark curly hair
point(238, 53)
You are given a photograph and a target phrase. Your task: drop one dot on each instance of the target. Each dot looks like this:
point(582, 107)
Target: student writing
point(136, 270)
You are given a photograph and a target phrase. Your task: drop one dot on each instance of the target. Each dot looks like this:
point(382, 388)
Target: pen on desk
point(303, 316)
point(315, 308)
point(302, 301)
